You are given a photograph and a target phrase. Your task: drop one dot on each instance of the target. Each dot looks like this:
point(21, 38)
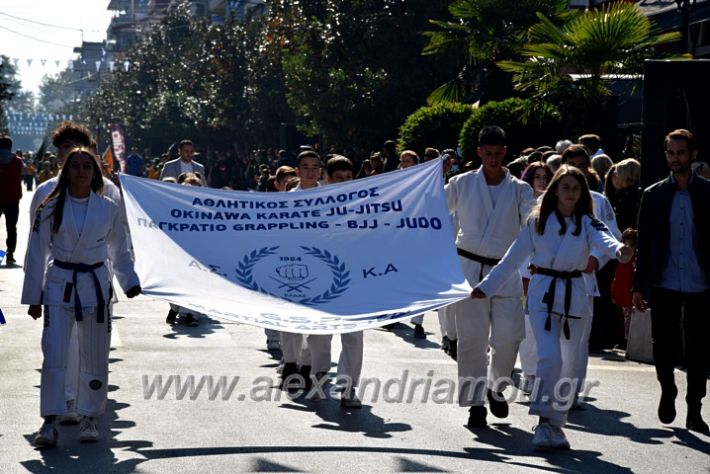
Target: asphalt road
point(255, 427)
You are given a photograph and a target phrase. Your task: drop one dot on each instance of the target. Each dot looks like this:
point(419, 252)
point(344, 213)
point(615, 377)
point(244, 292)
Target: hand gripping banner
point(334, 259)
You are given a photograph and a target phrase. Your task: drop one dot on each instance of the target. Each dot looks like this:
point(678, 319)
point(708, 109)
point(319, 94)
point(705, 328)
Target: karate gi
point(47, 281)
point(489, 221)
point(558, 337)
point(112, 192)
point(604, 212)
point(350, 361)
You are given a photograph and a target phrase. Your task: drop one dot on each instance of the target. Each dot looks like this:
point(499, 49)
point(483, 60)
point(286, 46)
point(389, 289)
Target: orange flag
point(107, 162)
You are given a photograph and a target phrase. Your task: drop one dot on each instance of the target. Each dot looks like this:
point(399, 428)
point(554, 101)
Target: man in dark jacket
point(10, 193)
point(673, 273)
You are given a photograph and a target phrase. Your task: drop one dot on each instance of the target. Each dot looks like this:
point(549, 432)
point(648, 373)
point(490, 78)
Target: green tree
point(12, 96)
point(352, 69)
point(438, 126)
point(542, 127)
point(480, 33)
point(569, 67)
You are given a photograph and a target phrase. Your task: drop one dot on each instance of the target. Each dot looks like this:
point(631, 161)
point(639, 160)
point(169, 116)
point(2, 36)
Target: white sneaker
point(71, 417)
point(543, 436)
point(559, 440)
point(46, 437)
point(88, 430)
point(349, 399)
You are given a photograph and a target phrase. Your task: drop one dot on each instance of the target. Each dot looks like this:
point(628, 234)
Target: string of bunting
point(70, 64)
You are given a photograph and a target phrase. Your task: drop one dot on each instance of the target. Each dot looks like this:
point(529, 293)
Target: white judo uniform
point(93, 234)
point(112, 192)
point(558, 338)
point(490, 218)
point(604, 212)
point(447, 314)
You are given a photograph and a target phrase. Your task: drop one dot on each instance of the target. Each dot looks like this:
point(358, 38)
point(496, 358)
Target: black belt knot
point(491, 262)
point(567, 277)
point(85, 268)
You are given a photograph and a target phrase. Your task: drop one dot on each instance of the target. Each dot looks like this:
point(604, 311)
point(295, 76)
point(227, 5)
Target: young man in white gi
point(491, 206)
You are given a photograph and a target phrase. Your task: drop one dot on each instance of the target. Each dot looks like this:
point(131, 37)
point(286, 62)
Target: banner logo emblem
point(299, 277)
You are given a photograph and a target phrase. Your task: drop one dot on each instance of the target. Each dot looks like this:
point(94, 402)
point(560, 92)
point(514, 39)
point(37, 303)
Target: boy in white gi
point(559, 236)
point(491, 206)
point(76, 233)
point(339, 169)
point(296, 371)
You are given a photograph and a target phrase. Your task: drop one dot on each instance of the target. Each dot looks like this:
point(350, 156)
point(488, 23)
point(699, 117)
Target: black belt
point(567, 277)
point(491, 262)
point(84, 268)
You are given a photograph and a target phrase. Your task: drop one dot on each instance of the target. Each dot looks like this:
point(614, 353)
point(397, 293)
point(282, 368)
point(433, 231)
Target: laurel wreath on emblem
point(341, 276)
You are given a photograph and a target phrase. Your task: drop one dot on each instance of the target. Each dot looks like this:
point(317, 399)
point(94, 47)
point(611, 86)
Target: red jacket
point(621, 286)
point(11, 181)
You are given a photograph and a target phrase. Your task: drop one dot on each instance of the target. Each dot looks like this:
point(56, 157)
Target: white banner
point(333, 259)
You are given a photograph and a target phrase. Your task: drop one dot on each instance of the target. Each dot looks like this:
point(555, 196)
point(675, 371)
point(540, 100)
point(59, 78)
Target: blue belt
point(84, 268)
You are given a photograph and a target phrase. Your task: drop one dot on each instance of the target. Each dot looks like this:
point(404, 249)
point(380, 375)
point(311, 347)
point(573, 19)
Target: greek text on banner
point(328, 260)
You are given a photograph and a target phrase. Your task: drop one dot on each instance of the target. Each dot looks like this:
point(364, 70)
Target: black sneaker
point(498, 404)
point(454, 348)
point(445, 344)
point(288, 373)
point(191, 320)
point(10, 259)
point(172, 317)
point(419, 331)
point(477, 417)
point(666, 407)
point(305, 372)
point(695, 422)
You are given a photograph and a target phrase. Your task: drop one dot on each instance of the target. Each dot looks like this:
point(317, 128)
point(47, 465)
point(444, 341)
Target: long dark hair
point(59, 193)
point(584, 206)
point(529, 174)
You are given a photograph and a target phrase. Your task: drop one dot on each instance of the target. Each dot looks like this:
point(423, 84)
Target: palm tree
point(569, 67)
point(480, 33)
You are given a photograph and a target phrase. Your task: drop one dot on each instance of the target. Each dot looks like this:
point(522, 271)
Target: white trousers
point(71, 382)
point(294, 348)
point(528, 350)
point(447, 321)
point(93, 343)
point(497, 323)
point(350, 361)
point(556, 366)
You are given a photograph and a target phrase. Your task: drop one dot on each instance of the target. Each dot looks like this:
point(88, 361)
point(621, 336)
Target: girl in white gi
point(559, 237)
point(75, 234)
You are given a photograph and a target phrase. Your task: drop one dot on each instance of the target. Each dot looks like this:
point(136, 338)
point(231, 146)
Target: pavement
point(407, 426)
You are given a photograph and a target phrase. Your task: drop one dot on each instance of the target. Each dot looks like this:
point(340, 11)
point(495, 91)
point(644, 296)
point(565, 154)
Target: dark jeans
point(11, 212)
point(665, 319)
point(607, 327)
point(29, 181)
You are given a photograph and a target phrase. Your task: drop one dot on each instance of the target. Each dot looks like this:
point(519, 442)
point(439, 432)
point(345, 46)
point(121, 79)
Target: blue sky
point(54, 29)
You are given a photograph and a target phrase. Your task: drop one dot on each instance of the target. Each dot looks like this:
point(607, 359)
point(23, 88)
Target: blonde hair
point(411, 153)
point(628, 171)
